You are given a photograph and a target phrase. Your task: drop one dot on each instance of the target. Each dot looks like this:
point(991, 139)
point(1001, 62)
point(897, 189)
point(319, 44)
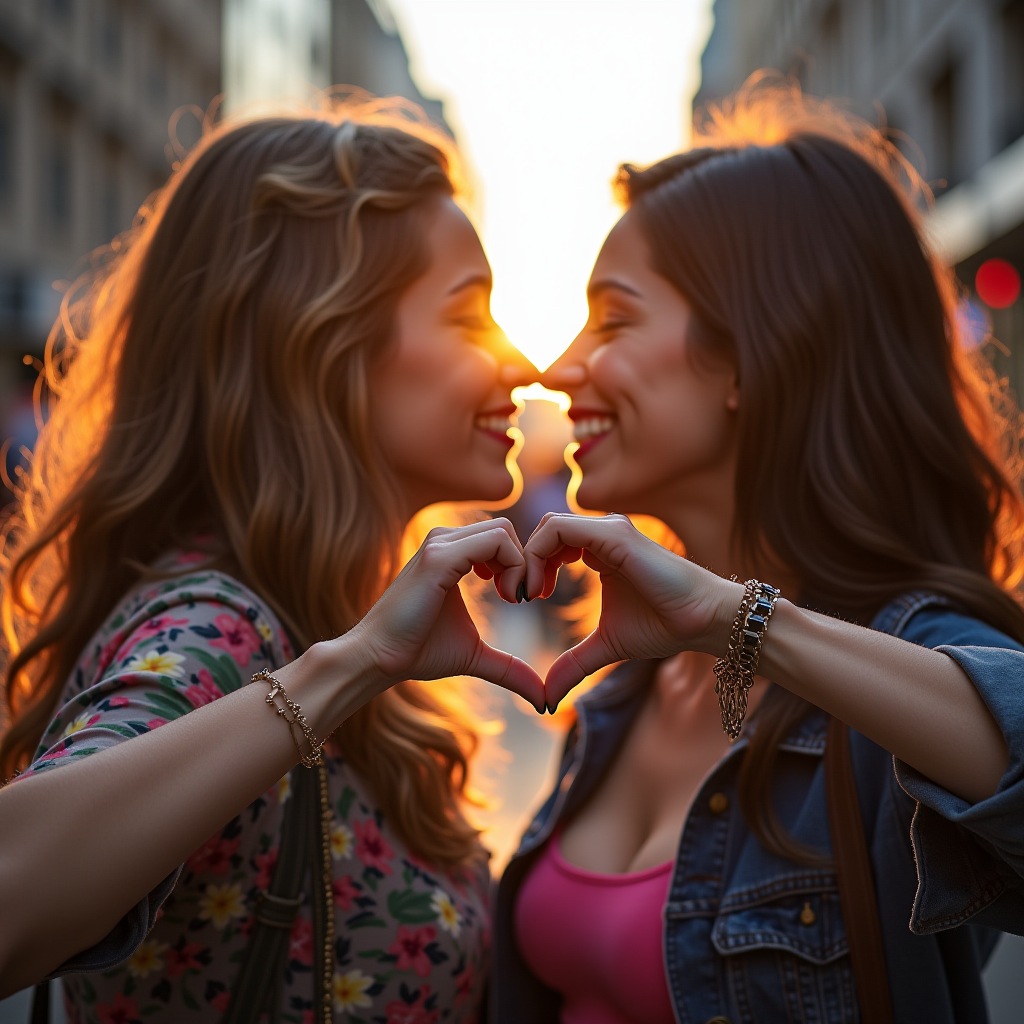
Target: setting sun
point(547, 99)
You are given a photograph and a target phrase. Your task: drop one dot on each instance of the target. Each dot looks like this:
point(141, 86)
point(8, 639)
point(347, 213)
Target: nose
point(569, 370)
point(515, 370)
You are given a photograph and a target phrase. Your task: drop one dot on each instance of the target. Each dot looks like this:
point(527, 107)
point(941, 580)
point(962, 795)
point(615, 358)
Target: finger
point(554, 563)
point(446, 557)
point(510, 672)
point(483, 571)
point(572, 667)
point(471, 529)
point(608, 537)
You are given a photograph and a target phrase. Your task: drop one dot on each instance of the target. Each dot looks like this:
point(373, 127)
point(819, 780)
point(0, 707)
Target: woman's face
point(656, 427)
point(440, 399)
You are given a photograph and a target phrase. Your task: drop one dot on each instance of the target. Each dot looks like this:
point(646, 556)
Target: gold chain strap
point(327, 872)
point(293, 716)
point(734, 674)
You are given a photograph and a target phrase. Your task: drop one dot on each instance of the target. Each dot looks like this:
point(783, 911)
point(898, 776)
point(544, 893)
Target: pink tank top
point(596, 939)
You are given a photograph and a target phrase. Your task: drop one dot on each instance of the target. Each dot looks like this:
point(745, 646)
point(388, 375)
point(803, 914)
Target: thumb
point(510, 672)
point(572, 667)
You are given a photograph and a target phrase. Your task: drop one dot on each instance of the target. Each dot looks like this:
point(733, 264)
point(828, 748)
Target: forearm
point(82, 845)
point(917, 703)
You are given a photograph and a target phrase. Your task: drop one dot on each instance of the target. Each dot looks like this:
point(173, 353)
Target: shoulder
point(202, 608)
point(172, 645)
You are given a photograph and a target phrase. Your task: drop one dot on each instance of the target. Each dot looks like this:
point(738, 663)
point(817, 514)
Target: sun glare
point(547, 98)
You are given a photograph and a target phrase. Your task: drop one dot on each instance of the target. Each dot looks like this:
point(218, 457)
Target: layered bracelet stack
point(279, 700)
point(734, 674)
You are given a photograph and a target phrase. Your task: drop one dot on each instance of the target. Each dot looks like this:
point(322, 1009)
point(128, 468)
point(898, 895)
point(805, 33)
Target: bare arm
point(83, 844)
point(917, 703)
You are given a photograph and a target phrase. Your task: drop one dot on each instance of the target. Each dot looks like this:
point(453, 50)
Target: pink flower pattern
point(201, 616)
point(371, 847)
point(205, 691)
point(344, 892)
point(238, 638)
point(411, 948)
point(213, 857)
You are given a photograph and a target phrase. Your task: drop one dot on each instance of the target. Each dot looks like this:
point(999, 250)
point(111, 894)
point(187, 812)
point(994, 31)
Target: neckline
point(600, 877)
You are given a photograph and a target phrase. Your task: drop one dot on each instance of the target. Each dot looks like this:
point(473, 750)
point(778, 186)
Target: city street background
point(100, 100)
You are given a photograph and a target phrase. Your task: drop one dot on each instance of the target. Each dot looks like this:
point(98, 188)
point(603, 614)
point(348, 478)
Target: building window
point(942, 167)
point(57, 189)
point(1013, 70)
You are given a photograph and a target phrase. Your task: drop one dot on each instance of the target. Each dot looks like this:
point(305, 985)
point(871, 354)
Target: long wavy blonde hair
point(209, 377)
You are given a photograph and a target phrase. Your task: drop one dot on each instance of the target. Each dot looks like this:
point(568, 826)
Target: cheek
point(668, 409)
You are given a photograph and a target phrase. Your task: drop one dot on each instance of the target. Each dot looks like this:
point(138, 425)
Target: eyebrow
point(474, 280)
point(596, 288)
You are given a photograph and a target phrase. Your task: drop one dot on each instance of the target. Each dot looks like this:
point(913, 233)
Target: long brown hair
point(876, 454)
point(210, 377)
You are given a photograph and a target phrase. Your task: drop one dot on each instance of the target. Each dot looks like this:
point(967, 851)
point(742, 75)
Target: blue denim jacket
point(947, 873)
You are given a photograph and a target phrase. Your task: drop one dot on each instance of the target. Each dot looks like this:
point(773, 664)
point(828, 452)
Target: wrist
point(726, 597)
point(332, 680)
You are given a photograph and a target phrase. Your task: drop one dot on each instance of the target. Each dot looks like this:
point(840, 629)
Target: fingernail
point(521, 592)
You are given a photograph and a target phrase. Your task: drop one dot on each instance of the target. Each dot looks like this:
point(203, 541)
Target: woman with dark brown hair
point(290, 355)
point(773, 367)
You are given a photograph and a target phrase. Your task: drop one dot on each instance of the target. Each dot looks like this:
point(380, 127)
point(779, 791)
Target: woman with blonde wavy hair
point(291, 354)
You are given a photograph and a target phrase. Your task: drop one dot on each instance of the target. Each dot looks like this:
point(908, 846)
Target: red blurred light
point(997, 283)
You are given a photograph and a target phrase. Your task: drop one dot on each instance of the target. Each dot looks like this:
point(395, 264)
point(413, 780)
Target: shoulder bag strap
point(856, 883)
point(276, 908)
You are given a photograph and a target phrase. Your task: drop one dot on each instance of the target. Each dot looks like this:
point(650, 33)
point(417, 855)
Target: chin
point(595, 496)
point(495, 486)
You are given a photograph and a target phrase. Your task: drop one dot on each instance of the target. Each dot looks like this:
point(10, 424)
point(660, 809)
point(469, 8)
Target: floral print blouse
point(411, 939)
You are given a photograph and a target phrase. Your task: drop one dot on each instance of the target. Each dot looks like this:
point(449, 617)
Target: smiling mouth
point(590, 429)
point(495, 425)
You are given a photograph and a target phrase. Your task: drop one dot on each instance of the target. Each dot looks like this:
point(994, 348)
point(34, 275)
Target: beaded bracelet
point(734, 674)
point(296, 719)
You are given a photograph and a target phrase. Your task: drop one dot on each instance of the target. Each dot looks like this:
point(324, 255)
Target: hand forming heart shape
point(653, 603)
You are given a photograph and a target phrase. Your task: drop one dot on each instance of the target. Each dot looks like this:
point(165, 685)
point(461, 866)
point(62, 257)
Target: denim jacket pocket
point(784, 946)
point(807, 922)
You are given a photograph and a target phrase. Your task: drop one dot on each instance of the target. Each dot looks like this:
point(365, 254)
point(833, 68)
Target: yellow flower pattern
point(448, 916)
point(147, 959)
point(220, 903)
point(165, 664)
point(341, 842)
point(350, 990)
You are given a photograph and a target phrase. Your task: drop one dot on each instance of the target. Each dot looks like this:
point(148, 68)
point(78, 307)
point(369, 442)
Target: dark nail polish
point(521, 592)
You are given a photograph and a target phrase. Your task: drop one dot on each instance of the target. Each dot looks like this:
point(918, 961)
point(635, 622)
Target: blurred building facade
point(949, 74)
point(87, 89)
point(367, 51)
point(289, 48)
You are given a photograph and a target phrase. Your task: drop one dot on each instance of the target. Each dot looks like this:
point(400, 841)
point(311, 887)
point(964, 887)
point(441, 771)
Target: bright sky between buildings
point(548, 97)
